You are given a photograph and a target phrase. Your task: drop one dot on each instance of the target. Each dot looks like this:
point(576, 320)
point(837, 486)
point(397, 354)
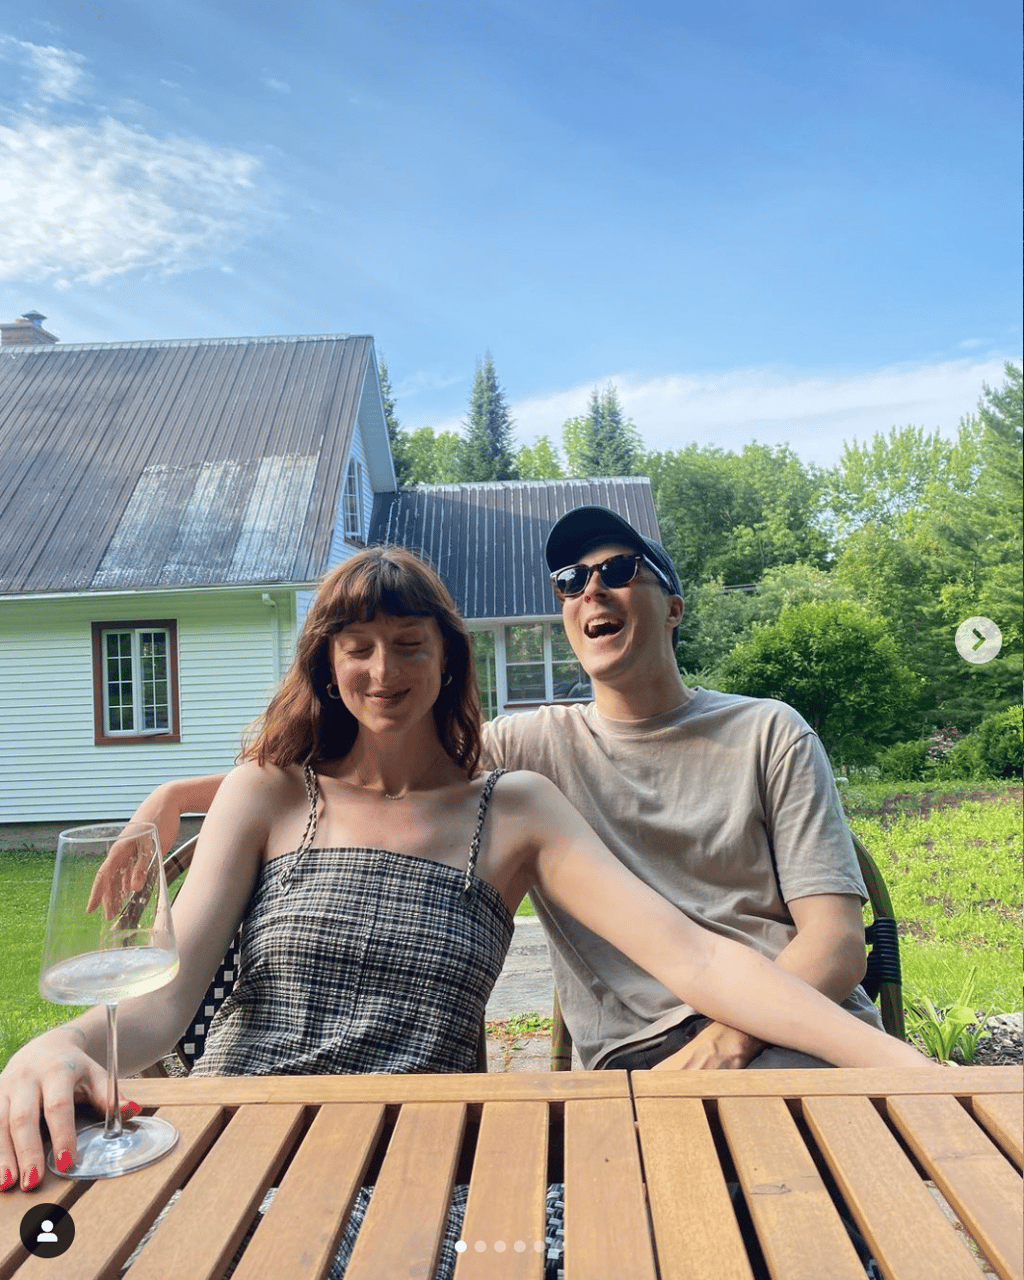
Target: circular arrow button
point(978, 640)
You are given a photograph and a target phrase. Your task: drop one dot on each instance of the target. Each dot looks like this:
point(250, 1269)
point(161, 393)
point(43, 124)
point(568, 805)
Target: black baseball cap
point(577, 531)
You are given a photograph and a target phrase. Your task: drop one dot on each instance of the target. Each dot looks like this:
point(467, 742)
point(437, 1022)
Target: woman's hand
point(43, 1081)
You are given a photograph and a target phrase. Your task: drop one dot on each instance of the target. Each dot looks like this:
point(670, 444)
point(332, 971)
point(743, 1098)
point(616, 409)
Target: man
point(725, 805)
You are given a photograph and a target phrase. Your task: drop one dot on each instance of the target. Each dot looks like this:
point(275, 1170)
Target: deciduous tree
point(837, 666)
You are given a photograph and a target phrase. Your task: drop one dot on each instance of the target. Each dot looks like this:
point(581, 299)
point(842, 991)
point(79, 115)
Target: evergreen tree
point(604, 442)
point(487, 447)
point(397, 438)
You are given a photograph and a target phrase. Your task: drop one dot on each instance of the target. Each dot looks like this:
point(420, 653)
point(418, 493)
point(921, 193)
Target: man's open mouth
point(602, 627)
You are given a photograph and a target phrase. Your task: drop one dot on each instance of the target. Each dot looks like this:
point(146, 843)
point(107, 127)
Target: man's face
point(617, 630)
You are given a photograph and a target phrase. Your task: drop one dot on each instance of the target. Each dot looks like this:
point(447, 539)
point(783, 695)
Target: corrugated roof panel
point(487, 540)
point(82, 427)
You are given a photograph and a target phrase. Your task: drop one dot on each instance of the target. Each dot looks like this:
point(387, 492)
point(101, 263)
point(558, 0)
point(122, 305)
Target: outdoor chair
point(192, 1043)
point(883, 980)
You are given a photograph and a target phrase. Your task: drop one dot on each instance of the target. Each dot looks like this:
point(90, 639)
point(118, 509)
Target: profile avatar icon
point(47, 1230)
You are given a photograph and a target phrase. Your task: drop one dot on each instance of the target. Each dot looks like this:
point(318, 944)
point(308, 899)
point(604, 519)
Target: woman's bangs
point(391, 588)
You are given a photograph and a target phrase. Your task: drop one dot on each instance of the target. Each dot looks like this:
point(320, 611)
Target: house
point(165, 509)
point(488, 541)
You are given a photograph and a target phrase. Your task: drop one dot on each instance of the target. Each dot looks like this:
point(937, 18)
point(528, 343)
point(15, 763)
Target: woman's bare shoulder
point(267, 786)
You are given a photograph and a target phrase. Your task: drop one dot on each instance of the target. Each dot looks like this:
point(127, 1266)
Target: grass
point(950, 853)
point(25, 878)
point(951, 856)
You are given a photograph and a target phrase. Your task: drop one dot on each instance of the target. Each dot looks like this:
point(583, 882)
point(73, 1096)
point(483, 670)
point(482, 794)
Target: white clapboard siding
point(232, 646)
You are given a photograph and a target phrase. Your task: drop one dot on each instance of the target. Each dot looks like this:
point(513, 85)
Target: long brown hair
point(302, 724)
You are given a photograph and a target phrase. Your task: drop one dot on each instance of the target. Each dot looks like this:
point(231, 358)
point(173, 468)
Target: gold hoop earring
point(334, 693)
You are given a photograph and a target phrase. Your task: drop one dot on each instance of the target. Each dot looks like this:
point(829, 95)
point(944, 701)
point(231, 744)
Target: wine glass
point(109, 936)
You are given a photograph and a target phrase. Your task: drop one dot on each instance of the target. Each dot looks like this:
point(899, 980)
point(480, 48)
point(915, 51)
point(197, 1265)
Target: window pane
point(526, 682)
point(486, 672)
point(524, 662)
point(524, 642)
point(153, 653)
point(120, 701)
point(569, 680)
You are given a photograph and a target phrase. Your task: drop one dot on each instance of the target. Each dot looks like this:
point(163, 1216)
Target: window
point(486, 672)
point(135, 682)
point(540, 665)
point(352, 501)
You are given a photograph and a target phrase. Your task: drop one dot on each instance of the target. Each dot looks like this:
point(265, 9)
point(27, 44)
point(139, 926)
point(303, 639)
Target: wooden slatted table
point(647, 1163)
point(924, 1163)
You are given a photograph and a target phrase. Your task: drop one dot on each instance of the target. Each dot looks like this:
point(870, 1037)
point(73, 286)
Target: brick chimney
point(26, 331)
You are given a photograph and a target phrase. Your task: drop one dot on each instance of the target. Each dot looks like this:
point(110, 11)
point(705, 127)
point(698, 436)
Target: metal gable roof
point(487, 540)
point(187, 463)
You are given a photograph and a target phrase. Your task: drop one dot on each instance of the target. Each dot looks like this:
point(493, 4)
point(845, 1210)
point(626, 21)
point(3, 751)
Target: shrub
point(995, 749)
point(904, 762)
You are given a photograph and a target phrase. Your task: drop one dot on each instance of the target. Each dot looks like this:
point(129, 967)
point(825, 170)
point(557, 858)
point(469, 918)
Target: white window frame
point(352, 501)
point(106, 735)
point(501, 664)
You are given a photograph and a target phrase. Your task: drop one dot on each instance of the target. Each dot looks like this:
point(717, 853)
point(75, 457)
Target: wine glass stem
point(112, 1128)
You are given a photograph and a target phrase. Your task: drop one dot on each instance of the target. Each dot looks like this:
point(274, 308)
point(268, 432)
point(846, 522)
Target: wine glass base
point(141, 1142)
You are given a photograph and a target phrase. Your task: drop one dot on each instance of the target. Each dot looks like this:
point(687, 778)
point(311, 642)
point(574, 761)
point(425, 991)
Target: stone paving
point(525, 987)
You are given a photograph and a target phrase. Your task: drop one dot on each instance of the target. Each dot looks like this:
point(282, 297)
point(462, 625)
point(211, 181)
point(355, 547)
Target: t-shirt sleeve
point(811, 841)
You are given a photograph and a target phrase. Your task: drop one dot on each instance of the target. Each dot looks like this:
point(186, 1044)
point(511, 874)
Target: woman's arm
point(65, 1065)
point(724, 980)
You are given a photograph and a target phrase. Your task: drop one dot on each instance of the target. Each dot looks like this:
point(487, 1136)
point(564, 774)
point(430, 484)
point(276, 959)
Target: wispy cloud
point(55, 74)
point(84, 198)
point(812, 412)
point(279, 86)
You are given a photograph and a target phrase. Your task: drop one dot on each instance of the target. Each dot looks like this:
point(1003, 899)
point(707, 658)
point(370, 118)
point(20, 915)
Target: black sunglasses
point(615, 572)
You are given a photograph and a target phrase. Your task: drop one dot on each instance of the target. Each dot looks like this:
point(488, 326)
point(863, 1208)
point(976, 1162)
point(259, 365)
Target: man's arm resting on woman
point(170, 800)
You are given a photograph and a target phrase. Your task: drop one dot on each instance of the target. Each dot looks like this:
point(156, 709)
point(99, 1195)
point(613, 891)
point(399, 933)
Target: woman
point(376, 877)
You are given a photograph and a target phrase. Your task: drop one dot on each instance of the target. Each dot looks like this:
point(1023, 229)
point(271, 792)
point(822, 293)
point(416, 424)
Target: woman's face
point(388, 670)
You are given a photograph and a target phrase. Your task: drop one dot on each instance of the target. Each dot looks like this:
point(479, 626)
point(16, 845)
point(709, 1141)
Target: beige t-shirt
point(725, 805)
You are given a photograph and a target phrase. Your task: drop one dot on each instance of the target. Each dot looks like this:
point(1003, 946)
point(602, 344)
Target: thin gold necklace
point(388, 795)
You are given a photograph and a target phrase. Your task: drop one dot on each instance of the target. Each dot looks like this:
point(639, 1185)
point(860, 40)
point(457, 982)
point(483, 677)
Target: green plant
point(903, 762)
point(995, 749)
point(957, 1028)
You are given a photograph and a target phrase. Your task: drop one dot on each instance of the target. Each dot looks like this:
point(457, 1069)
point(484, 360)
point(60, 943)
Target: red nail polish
point(8, 1179)
point(132, 1108)
point(64, 1161)
point(30, 1179)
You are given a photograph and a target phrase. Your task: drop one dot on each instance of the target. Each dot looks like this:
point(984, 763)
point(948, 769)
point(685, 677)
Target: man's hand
point(715, 1047)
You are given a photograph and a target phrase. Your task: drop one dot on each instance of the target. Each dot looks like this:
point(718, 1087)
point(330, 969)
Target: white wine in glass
point(109, 936)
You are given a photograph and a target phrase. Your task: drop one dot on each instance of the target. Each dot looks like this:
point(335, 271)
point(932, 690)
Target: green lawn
point(951, 856)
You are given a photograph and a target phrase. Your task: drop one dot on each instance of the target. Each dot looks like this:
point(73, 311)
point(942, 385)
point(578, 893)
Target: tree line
point(836, 589)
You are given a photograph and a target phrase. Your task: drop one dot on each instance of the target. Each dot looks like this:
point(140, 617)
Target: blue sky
point(784, 221)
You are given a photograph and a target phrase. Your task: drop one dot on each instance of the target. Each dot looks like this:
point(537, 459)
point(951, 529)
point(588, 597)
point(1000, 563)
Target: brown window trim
point(101, 737)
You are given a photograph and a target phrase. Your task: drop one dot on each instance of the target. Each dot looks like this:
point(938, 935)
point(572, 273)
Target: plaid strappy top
point(361, 960)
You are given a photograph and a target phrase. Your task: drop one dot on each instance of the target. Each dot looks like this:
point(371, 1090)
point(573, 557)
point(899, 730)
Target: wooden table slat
point(405, 1223)
point(874, 1082)
point(15, 1204)
point(507, 1194)
point(1002, 1114)
point(507, 1087)
point(606, 1229)
point(301, 1229)
point(971, 1172)
point(897, 1214)
point(694, 1221)
point(115, 1213)
point(205, 1225)
point(797, 1225)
